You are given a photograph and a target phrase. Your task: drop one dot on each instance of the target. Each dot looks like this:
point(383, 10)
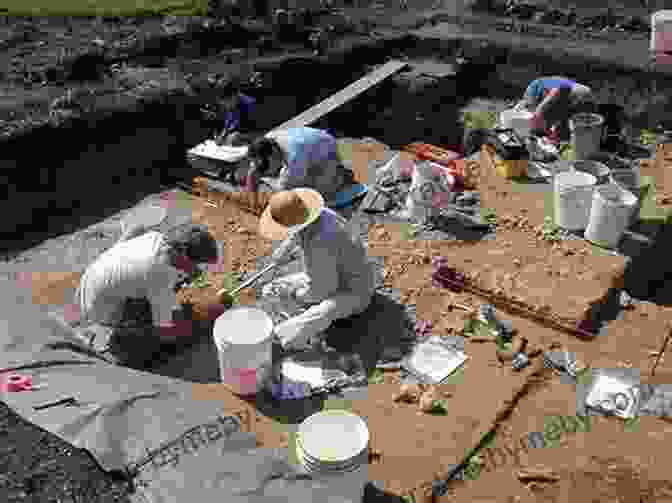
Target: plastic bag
point(430, 191)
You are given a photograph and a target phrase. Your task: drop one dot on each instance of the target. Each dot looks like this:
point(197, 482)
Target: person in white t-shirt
point(131, 287)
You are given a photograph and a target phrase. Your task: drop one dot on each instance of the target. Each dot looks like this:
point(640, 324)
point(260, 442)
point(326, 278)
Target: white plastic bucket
point(630, 180)
point(243, 337)
point(661, 31)
point(586, 134)
point(573, 194)
point(599, 170)
point(333, 445)
point(518, 120)
point(609, 215)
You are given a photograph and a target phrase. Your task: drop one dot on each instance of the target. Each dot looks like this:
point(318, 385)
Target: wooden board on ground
point(566, 279)
point(343, 96)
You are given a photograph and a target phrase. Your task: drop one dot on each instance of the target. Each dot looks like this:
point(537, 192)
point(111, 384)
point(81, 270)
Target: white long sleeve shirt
point(131, 269)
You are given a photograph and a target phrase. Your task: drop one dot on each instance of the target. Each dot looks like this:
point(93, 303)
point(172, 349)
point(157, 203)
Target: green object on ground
point(439, 407)
point(409, 231)
point(479, 120)
point(376, 376)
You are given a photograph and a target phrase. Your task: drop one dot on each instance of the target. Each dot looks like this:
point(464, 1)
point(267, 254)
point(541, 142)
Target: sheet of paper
point(435, 360)
point(301, 373)
point(211, 150)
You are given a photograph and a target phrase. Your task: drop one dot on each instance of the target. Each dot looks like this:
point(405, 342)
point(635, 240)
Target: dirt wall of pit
point(57, 167)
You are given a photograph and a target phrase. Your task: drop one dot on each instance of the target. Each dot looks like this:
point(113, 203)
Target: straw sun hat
point(288, 210)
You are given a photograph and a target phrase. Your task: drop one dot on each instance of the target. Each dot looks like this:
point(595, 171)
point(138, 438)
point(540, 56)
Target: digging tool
point(661, 352)
point(251, 280)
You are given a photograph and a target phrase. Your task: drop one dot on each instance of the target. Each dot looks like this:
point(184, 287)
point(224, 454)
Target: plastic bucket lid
point(242, 326)
point(333, 436)
point(585, 121)
point(594, 168)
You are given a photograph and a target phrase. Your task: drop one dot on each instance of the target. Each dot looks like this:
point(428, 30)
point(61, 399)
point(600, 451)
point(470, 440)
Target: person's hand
point(537, 122)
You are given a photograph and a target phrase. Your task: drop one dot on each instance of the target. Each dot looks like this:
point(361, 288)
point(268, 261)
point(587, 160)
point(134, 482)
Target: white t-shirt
point(130, 269)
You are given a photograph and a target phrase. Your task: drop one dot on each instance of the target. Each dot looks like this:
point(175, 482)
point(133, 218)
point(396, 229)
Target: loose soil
point(603, 464)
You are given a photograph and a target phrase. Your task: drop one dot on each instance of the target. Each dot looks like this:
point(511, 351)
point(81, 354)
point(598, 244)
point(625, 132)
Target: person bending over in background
point(130, 288)
point(301, 157)
point(338, 279)
point(553, 100)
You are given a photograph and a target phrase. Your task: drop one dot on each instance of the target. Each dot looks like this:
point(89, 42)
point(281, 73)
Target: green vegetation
point(631, 424)
point(409, 231)
point(648, 137)
point(439, 407)
point(551, 231)
point(200, 280)
point(108, 8)
point(479, 120)
point(376, 377)
point(489, 216)
point(567, 152)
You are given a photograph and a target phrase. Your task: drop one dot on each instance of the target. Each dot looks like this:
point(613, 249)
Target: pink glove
point(537, 122)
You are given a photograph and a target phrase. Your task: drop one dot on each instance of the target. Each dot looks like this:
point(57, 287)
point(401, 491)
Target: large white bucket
point(573, 194)
point(599, 170)
point(586, 134)
point(333, 445)
point(661, 31)
point(243, 337)
point(609, 215)
point(630, 180)
point(518, 120)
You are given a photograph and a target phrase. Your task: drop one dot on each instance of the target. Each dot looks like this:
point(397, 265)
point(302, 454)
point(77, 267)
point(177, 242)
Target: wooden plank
point(343, 96)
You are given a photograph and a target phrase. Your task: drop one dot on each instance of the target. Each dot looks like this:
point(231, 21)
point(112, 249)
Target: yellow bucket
point(511, 168)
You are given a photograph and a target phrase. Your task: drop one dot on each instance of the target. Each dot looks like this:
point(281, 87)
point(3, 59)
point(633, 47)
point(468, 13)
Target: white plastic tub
point(609, 215)
point(586, 132)
point(518, 120)
point(573, 194)
point(243, 337)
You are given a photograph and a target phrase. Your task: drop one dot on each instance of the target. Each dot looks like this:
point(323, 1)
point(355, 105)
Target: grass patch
point(648, 137)
point(479, 120)
point(409, 231)
point(456, 377)
point(650, 211)
point(376, 377)
point(105, 8)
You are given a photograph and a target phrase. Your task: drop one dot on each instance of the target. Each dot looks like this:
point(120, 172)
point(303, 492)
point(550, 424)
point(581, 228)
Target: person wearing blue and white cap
point(301, 157)
point(338, 279)
point(553, 100)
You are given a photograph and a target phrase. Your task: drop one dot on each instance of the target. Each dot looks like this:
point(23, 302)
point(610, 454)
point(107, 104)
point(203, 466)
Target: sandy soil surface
point(601, 462)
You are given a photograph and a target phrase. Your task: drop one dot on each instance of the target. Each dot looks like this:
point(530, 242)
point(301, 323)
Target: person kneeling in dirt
point(301, 157)
point(338, 280)
point(238, 111)
point(130, 288)
point(553, 100)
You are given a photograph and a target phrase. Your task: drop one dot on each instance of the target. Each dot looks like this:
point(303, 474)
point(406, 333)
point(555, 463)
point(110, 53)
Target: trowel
point(248, 282)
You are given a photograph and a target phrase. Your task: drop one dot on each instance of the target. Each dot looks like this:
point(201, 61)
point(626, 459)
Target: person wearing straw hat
point(301, 157)
point(131, 287)
point(553, 100)
point(338, 279)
